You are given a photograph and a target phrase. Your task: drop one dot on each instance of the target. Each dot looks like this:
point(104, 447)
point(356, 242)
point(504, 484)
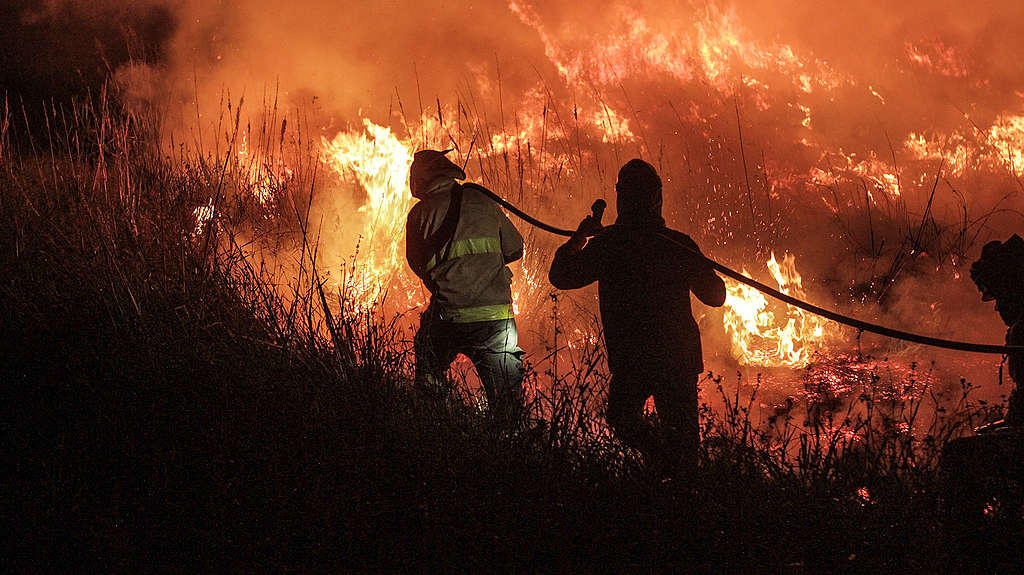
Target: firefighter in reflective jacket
point(459, 243)
point(645, 273)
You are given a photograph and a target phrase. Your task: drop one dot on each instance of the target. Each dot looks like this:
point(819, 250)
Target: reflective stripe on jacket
point(462, 261)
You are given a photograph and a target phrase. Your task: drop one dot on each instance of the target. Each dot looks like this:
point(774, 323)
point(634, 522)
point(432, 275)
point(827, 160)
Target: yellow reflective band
point(482, 313)
point(466, 247)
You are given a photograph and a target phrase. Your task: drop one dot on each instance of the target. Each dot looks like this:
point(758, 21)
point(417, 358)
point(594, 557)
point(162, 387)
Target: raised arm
point(706, 285)
point(575, 263)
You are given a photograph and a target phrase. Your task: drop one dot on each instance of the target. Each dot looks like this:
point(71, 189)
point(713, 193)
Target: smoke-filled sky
point(857, 75)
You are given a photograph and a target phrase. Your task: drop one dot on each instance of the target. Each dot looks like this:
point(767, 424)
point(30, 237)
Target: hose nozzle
point(598, 209)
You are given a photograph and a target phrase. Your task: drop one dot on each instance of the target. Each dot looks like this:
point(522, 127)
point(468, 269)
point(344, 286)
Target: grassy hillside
point(170, 404)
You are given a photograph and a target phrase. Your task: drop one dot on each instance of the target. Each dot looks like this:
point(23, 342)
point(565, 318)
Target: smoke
point(927, 63)
point(53, 50)
point(340, 57)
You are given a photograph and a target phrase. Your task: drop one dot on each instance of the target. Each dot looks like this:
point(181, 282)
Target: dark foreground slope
point(165, 409)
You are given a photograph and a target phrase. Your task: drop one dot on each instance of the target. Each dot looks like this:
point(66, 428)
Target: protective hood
point(638, 195)
point(999, 273)
point(430, 169)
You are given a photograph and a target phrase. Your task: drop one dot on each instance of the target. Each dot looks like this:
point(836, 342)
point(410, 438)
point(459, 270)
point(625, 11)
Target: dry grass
point(174, 403)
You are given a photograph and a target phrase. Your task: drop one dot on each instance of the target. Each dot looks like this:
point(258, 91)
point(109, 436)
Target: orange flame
point(759, 337)
point(379, 162)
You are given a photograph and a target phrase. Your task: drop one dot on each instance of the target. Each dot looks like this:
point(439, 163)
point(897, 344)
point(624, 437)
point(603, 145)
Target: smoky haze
point(344, 57)
point(53, 50)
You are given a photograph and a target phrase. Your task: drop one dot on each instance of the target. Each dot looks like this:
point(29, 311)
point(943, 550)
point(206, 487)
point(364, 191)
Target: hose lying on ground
point(836, 317)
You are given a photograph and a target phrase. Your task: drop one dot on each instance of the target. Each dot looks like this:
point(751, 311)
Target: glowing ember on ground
point(836, 375)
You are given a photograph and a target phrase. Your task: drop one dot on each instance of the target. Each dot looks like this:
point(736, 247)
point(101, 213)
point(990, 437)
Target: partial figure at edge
point(979, 469)
point(999, 275)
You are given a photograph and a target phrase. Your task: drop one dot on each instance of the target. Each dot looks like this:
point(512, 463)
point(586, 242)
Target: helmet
point(999, 273)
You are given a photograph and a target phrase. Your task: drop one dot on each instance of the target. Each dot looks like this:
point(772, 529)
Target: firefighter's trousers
point(492, 346)
point(671, 446)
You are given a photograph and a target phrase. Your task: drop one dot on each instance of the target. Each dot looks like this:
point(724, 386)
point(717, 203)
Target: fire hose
point(598, 209)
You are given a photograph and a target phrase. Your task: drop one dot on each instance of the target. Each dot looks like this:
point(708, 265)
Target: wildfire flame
point(759, 336)
point(378, 161)
point(264, 176)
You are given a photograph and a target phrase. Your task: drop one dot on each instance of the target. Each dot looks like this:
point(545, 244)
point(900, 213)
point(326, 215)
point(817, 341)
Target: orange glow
point(937, 58)
point(879, 174)
point(613, 127)
point(1007, 137)
point(264, 177)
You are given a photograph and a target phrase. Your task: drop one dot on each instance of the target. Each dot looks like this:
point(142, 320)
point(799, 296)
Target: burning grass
point(176, 400)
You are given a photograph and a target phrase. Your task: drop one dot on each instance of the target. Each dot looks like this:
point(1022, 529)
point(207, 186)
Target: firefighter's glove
point(588, 227)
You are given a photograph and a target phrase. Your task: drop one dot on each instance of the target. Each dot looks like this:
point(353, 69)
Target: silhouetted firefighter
point(985, 473)
point(644, 276)
point(999, 274)
point(458, 242)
